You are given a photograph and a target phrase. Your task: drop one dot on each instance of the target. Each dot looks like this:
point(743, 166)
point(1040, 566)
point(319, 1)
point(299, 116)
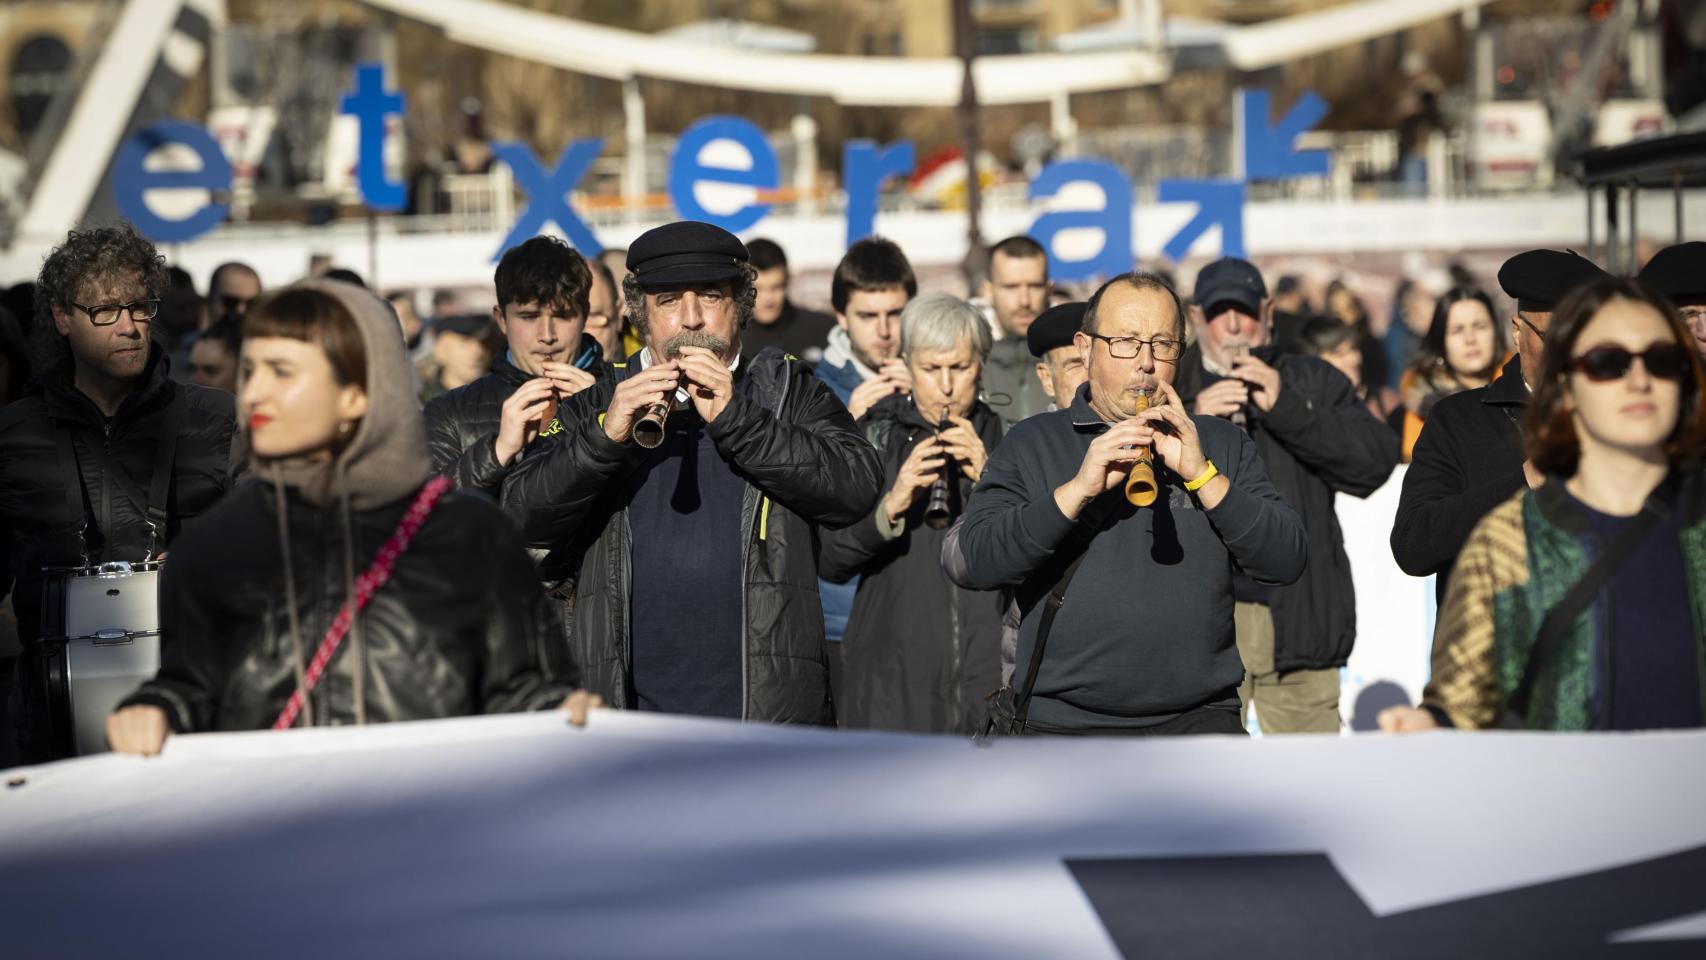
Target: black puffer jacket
point(920, 653)
point(805, 465)
point(459, 629)
point(36, 522)
point(1317, 442)
point(462, 425)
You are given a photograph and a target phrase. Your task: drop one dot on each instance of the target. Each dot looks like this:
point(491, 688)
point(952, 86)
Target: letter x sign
point(548, 193)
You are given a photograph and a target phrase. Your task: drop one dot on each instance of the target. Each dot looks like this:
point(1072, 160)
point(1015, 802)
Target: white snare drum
point(102, 625)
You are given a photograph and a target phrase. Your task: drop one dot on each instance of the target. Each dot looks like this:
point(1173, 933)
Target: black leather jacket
point(805, 464)
point(462, 425)
point(461, 627)
point(37, 526)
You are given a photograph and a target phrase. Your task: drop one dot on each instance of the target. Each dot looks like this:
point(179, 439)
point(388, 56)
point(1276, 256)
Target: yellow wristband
point(1202, 481)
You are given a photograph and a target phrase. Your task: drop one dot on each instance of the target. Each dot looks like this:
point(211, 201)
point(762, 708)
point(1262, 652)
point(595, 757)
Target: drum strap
point(75, 498)
point(153, 504)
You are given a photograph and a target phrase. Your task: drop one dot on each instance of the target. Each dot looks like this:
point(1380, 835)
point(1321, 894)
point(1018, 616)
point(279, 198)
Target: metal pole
point(1676, 198)
point(1611, 227)
point(634, 130)
point(1592, 255)
point(971, 138)
point(1633, 263)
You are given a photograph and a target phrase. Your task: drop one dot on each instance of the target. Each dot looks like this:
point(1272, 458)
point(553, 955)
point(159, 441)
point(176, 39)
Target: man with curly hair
point(696, 588)
point(78, 456)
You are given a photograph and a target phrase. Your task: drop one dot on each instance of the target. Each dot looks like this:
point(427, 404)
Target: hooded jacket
point(1317, 442)
point(460, 628)
point(804, 465)
point(921, 653)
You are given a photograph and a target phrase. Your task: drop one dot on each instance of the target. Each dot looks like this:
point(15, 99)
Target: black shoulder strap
point(153, 505)
point(1559, 619)
point(1084, 532)
point(75, 498)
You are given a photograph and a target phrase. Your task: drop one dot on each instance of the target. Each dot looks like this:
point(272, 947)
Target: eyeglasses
point(106, 314)
point(1530, 325)
point(1693, 316)
point(235, 304)
point(1127, 348)
point(1667, 361)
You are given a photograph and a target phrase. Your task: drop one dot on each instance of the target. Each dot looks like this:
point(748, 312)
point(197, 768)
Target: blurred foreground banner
point(645, 836)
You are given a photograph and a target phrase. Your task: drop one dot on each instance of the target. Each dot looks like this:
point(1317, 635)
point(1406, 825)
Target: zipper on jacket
point(762, 520)
point(956, 658)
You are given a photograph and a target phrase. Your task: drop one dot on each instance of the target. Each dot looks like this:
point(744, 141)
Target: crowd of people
point(651, 480)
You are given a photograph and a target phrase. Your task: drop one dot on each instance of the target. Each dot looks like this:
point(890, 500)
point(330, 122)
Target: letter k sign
point(548, 195)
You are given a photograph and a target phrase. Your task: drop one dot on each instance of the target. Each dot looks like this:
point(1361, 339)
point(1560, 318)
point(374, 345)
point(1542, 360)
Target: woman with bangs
point(264, 619)
point(1581, 605)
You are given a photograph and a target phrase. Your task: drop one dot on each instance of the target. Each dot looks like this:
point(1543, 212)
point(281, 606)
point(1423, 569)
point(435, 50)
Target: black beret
point(686, 251)
point(1678, 272)
point(1054, 328)
point(466, 324)
point(1538, 279)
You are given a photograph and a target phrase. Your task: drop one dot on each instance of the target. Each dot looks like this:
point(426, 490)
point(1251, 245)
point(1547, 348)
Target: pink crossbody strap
point(366, 586)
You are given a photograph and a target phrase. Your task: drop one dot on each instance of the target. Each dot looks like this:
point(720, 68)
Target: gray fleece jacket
point(1146, 631)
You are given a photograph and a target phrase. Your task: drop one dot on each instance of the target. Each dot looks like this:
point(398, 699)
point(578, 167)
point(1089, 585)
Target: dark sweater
point(1655, 674)
point(686, 611)
point(1146, 632)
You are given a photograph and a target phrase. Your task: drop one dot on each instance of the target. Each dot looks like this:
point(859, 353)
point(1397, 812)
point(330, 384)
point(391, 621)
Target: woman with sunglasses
point(1582, 604)
point(341, 584)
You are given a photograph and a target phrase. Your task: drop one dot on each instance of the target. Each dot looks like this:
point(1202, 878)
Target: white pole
point(634, 169)
point(61, 195)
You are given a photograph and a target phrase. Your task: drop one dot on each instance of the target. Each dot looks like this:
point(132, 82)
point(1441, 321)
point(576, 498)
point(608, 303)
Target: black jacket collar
point(65, 402)
point(1510, 389)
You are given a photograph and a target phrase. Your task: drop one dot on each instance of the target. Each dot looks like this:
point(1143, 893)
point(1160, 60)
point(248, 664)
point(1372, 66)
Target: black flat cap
point(1538, 279)
point(465, 324)
point(1678, 272)
point(1231, 280)
point(1054, 327)
point(686, 251)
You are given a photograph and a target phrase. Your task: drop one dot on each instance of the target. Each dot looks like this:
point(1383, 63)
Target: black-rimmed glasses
point(1127, 348)
point(106, 314)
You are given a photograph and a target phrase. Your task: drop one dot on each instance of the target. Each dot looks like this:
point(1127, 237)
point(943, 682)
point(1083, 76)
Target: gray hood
point(386, 460)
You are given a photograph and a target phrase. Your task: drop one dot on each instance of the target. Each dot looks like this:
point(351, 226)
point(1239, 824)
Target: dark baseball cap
point(1538, 279)
point(686, 251)
point(1231, 280)
point(1054, 328)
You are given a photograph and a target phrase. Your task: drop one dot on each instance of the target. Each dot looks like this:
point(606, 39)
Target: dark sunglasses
point(1667, 361)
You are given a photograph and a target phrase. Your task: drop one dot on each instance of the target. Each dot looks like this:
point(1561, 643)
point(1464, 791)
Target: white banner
point(644, 836)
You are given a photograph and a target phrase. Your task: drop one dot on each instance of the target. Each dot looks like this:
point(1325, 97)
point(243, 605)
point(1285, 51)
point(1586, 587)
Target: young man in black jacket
point(104, 387)
point(476, 432)
point(1317, 441)
point(697, 584)
point(1469, 458)
point(1144, 642)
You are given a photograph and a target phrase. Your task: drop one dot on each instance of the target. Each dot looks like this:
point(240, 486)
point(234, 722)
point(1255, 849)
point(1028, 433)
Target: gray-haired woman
point(921, 653)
